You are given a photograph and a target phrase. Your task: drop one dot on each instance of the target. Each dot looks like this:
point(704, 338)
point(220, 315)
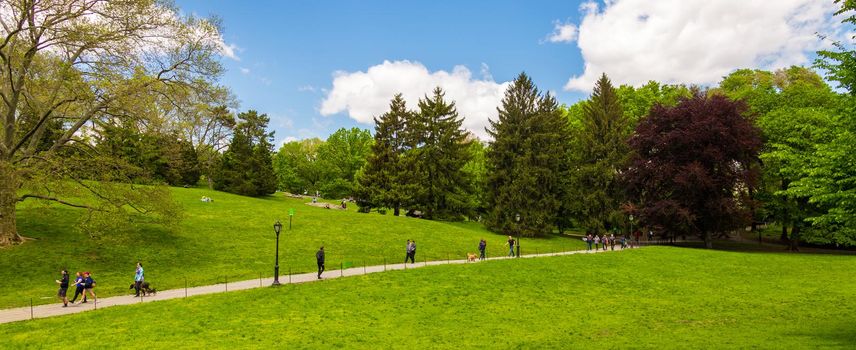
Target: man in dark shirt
point(319, 257)
point(63, 288)
point(89, 286)
point(482, 246)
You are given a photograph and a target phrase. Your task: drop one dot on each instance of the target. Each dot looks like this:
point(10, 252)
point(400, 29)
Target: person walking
point(596, 242)
point(482, 247)
point(510, 245)
point(78, 286)
point(412, 251)
point(589, 241)
point(319, 258)
point(62, 293)
point(138, 279)
point(409, 252)
point(88, 286)
point(612, 241)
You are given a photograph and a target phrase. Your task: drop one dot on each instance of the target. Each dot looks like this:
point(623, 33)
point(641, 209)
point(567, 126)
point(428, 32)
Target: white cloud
point(229, 50)
point(245, 70)
point(364, 95)
point(696, 41)
point(307, 88)
point(562, 33)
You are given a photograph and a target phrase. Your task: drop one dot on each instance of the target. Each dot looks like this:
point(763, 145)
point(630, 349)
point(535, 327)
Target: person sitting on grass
point(63, 288)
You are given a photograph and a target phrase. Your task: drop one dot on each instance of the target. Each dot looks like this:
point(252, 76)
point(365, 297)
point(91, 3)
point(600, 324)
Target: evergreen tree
point(189, 168)
point(380, 181)
point(441, 150)
point(247, 166)
point(525, 161)
point(601, 153)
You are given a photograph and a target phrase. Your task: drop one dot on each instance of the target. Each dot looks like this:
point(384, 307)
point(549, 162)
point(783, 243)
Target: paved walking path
point(49, 310)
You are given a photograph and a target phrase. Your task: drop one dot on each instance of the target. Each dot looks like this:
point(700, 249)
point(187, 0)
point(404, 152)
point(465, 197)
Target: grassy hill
point(231, 238)
point(657, 297)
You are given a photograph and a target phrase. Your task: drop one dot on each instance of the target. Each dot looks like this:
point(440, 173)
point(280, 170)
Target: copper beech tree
point(69, 67)
point(692, 166)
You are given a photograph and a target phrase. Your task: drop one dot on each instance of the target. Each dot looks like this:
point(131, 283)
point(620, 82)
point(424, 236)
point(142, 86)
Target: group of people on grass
point(83, 284)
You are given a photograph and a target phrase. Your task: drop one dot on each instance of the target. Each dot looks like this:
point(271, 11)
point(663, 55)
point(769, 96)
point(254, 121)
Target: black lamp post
point(517, 219)
point(631, 230)
point(277, 227)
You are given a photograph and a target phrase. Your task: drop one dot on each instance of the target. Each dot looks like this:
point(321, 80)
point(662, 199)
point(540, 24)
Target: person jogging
point(319, 258)
point(139, 277)
point(482, 247)
point(88, 286)
point(62, 293)
point(78, 287)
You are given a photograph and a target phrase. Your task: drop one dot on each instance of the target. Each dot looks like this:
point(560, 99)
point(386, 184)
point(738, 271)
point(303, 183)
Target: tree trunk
point(784, 236)
point(8, 201)
point(708, 241)
point(794, 243)
point(397, 209)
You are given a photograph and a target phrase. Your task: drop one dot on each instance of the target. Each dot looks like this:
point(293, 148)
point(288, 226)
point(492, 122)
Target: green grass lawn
point(231, 238)
point(656, 297)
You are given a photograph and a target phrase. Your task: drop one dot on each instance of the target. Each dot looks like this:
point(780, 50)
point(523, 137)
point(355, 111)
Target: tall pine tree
point(526, 161)
point(439, 150)
point(601, 152)
point(247, 166)
point(381, 182)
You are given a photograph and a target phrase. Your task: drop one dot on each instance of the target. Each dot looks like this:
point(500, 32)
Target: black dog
point(145, 288)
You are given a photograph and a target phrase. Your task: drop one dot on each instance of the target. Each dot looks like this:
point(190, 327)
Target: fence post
point(32, 315)
point(185, 287)
point(260, 279)
point(384, 263)
point(342, 269)
point(289, 275)
point(226, 279)
point(448, 259)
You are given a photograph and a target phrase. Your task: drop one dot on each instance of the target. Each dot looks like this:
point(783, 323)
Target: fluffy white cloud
point(696, 41)
point(228, 50)
point(244, 70)
point(562, 33)
point(364, 95)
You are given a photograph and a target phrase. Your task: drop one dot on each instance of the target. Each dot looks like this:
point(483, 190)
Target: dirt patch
point(326, 205)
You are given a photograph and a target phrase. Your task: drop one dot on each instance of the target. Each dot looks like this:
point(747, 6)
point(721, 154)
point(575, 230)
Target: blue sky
point(286, 53)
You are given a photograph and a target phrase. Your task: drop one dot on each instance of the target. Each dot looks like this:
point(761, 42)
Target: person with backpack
point(78, 287)
point(319, 258)
point(62, 293)
point(138, 278)
point(482, 247)
point(88, 286)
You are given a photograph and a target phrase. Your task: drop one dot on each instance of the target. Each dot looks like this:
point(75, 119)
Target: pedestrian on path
point(589, 240)
point(138, 278)
point(596, 242)
point(88, 286)
point(412, 251)
point(612, 241)
point(605, 241)
point(510, 245)
point(62, 293)
point(482, 247)
point(78, 286)
point(408, 252)
point(319, 257)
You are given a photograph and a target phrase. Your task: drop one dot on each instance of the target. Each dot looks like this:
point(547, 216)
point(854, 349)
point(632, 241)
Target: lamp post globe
point(277, 227)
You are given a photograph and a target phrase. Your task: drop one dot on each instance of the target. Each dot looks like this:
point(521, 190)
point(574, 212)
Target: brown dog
point(471, 257)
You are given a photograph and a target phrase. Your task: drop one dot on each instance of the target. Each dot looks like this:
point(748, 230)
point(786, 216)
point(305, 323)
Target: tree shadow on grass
point(747, 247)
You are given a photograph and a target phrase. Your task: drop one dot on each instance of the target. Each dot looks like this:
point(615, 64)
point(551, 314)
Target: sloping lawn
point(231, 238)
point(657, 297)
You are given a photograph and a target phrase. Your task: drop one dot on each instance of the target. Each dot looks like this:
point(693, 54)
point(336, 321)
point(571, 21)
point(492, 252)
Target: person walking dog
point(138, 278)
point(319, 258)
point(482, 247)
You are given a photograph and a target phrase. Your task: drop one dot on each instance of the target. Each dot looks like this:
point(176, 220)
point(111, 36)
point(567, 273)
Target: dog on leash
point(471, 257)
point(145, 288)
